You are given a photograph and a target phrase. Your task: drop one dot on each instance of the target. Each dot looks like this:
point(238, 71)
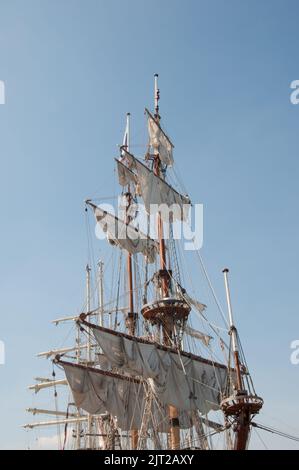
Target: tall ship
point(147, 367)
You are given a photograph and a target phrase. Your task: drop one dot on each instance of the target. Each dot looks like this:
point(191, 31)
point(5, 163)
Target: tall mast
point(242, 405)
point(88, 310)
point(174, 429)
point(233, 331)
point(131, 317)
point(101, 292)
point(89, 421)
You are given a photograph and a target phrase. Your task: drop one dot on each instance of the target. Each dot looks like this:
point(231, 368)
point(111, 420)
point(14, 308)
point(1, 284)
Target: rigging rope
point(275, 431)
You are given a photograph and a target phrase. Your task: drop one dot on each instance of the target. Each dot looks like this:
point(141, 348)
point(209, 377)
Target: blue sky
point(72, 69)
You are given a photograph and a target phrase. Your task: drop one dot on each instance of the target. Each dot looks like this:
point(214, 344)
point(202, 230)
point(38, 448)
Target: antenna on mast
point(157, 97)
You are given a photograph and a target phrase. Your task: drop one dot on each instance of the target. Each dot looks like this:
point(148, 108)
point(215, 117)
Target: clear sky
point(72, 69)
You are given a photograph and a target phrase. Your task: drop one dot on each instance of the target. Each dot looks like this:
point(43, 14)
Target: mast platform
point(160, 311)
point(241, 401)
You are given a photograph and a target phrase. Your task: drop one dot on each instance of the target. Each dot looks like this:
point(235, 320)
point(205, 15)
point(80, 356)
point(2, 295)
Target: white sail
point(125, 175)
point(125, 235)
point(157, 194)
point(183, 380)
point(96, 392)
point(159, 141)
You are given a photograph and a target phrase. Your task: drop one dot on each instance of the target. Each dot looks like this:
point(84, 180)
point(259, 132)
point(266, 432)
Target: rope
point(56, 408)
point(211, 287)
point(275, 431)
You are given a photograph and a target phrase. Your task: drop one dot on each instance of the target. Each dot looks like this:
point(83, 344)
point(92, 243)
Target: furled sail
point(183, 380)
point(125, 235)
point(159, 140)
point(194, 303)
point(198, 335)
point(97, 391)
point(155, 192)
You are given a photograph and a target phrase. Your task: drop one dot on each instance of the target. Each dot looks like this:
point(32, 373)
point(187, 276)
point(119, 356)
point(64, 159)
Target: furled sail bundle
point(204, 338)
point(159, 140)
point(125, 235)
point(194, 303)
point(155, 192)
point(97, 391)
point(183, 380)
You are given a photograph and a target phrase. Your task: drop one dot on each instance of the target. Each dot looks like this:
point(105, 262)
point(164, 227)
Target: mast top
point(157, 98)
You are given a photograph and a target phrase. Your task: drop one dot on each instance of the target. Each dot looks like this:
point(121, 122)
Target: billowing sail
point(159, 140)
point(125, 235)
point(156, 193)
point(97, 391)
point(183, 380)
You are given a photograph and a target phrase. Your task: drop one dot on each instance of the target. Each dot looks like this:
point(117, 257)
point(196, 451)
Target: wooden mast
point(131, 319)
point(89, 418)
point(242, 405)
point(174, 428)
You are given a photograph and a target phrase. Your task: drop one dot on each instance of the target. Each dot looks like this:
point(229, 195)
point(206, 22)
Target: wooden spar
point(39, 411)
point(131, 320)
point(174, 428)
point(89, 416)
point(95, 370)
point(56, 422)
point(48, 384)
point(157, 345)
